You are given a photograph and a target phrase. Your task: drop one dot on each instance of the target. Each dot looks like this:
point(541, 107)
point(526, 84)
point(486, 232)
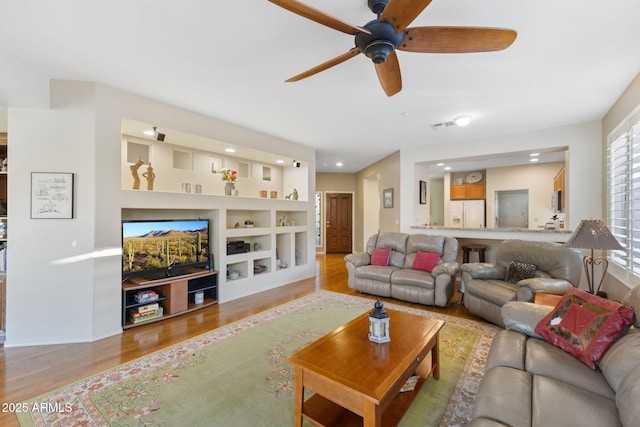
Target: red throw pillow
point(585, 325)
point(380, 256)
point(425, 261)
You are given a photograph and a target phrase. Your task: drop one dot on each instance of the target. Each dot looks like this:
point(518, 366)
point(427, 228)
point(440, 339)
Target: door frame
point(323, 217)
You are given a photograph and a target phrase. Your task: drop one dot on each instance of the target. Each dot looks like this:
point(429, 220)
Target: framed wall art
point(423, 193)
point(51, 195)
point(387, 198)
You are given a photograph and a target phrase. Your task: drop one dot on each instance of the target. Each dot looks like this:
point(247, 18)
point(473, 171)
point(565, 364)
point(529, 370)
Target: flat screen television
point(164, 248)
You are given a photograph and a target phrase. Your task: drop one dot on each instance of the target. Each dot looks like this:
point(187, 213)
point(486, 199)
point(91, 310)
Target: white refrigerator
point(467, 214)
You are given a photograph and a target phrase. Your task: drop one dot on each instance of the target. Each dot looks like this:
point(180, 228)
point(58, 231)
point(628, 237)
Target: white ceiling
point(570, 62)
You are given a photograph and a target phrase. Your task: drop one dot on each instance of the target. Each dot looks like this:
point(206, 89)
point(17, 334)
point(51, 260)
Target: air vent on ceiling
point(441, 126)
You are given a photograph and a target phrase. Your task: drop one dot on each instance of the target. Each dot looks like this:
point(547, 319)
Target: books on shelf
point(147, 295)
point(146, 308)
point(136, 317)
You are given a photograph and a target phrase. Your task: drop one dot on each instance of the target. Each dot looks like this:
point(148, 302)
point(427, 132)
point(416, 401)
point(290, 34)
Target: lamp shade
point(593, 234)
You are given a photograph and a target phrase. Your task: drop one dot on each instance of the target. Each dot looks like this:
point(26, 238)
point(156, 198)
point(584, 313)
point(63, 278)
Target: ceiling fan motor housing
point(381, 42)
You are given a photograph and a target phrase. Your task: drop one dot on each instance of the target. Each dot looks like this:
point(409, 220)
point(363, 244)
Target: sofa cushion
point(417, 278)
point(504, 395)
point(380, 256)
point(495, 291)
point(585, 325)
point(425, 261)
point(627, 399)
point(558, 404)
point(544, 359)
point(621, 358)
point(380, 273)
point(517, 271)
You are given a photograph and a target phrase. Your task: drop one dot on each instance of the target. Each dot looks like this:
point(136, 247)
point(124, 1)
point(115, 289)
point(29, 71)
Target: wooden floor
point(29, 371)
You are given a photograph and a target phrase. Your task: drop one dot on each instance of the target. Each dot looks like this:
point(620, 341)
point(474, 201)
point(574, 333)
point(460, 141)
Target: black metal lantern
point(379, 324)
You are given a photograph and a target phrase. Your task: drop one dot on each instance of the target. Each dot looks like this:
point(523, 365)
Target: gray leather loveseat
point(529, 382)
point(398, 279)
point(487, 287)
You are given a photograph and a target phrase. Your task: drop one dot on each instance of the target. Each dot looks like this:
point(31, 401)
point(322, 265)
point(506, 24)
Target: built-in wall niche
point(266, 173)
point(137, 151)
point(243, 170)
point(216, 164)
point(182, 160)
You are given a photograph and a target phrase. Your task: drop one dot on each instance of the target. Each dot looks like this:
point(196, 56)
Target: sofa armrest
point(523, 317)
point(482, 270)
point(358, 258)
point(448, 268)
point(528, 288)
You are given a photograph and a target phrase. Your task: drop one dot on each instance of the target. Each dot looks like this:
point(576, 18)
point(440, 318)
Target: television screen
point(164, 246)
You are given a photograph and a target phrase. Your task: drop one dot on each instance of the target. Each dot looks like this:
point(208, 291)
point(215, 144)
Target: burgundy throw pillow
point(585, 325)
point(425, 260)
point(380, 256)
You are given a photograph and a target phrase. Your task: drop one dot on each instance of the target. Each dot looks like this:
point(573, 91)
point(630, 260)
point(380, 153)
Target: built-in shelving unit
point(176, 295)
point(259, 239)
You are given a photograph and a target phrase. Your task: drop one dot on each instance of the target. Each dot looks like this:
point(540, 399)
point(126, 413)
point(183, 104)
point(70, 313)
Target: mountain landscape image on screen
point(163, 245)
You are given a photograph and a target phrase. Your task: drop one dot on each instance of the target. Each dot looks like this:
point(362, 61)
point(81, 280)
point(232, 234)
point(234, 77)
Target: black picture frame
point(423, 193)
point(387, 198)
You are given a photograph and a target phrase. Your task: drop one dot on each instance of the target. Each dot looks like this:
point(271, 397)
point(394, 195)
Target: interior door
point(339, 225)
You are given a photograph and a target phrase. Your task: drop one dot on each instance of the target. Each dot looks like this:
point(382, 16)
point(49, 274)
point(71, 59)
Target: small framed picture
point(387, 198)
point(423, 193)
point(51, 195)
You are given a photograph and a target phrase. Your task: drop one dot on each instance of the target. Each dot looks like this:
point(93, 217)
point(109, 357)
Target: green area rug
point(237, 375)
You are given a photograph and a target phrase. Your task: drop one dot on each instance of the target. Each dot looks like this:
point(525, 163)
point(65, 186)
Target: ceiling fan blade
point(389, 74)
point(325, 65)
point(456, 39)
point(319, 16)
point(401, 13)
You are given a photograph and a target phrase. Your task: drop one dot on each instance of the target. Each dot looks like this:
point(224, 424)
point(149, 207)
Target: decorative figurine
point(150, 176)
point(134, 172)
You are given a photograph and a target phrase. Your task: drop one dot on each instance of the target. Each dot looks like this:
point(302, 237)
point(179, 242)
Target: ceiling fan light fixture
point(378, 50)
point(462, 121)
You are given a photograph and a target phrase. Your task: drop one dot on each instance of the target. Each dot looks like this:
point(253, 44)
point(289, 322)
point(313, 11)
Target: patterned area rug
point(237, 375)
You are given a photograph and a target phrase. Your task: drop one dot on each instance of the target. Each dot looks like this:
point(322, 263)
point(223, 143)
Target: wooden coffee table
point(358, 382)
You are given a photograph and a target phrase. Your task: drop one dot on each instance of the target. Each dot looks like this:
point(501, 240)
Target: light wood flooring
point(29, 371)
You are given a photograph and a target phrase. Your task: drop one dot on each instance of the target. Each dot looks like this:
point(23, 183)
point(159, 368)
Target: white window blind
point(623, 193)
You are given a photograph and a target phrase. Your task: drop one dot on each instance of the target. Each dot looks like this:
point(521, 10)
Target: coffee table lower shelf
point(323, 412)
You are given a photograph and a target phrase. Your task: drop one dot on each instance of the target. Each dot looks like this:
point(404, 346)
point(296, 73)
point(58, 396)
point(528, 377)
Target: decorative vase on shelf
point(228, 187)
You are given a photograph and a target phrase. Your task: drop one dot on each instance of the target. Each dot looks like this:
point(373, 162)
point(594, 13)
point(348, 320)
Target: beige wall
point(537, 178)
point(387, 174)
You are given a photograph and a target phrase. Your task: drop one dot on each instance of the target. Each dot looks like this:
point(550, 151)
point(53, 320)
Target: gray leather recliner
point(558, 269)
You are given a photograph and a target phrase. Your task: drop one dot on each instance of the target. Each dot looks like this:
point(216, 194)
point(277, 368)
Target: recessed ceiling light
point(535, 159)
point(440, 164)
point(462, 121)
point(448, 168)
point(339, 164)
point(150, 132)
point(534, 154)
point(229, 150)
point(280, 161)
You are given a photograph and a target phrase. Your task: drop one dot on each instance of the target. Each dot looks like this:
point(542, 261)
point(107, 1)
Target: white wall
point(81, 133)
point(584, 164)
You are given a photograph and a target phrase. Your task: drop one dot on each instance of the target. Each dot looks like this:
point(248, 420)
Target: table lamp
point(593, 234)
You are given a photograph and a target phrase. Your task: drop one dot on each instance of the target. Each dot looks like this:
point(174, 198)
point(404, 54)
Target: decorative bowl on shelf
point(257, 269)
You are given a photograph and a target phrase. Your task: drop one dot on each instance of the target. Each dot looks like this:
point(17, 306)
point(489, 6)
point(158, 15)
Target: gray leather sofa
point(398, 280)
point(529, 382)
point(558, 269)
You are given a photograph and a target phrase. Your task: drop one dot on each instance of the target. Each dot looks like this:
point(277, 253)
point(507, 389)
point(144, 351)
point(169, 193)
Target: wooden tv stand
point(177, 294)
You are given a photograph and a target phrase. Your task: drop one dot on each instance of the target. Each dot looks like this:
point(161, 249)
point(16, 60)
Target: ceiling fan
point(380, 38)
